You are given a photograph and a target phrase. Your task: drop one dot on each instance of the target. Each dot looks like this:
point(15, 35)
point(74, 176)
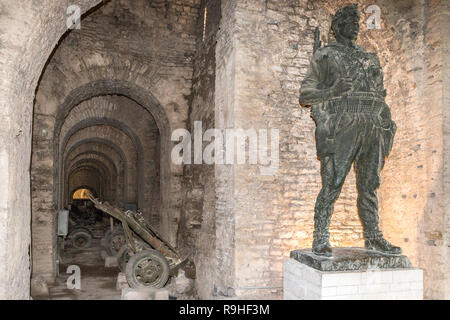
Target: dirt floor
point(97, 282)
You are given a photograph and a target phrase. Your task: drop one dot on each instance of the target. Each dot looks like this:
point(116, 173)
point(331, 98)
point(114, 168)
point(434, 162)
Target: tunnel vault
point(108, 126)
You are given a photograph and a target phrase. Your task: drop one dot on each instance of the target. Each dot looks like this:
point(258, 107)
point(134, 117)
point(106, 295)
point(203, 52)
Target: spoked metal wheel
point(81, 239)
point(115, 242)
point(148, 268)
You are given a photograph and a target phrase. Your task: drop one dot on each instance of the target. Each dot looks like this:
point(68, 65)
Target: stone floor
point(97, 282)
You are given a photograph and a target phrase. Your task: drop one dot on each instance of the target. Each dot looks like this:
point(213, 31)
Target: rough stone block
point(39, 287)
point(144, 294)
point(111, 261)
point(104, 254)
point(121, 281)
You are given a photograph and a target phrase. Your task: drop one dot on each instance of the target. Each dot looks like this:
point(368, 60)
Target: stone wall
point(224, 108)
point(445, 46)
point(198, 222)
point(273, 45)
point(30, 32)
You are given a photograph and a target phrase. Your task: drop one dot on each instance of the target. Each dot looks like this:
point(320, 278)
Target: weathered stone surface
point(121, 281)
point(39, 287)
point(105, 108)
point(111, 262)
point(144, 294)
point(181, 286)
point(275, 215)
point(345, 259)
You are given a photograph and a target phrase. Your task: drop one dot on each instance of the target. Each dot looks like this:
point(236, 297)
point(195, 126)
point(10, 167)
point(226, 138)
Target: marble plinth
point(352, 273)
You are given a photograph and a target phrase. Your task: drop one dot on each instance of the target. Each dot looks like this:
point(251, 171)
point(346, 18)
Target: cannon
point(147, 259)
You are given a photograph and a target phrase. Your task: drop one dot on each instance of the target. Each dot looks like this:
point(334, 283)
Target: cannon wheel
point(148, 268)
point(114, 242)
point(81, 239)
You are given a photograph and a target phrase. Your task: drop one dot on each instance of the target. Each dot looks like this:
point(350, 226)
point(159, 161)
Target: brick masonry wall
point(198, 221)
point(110, 156)
point(273, 49)
point(136, 122)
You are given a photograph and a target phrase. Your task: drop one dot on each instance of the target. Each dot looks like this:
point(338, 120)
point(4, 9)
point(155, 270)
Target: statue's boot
point(321, 246)
point(382, 245)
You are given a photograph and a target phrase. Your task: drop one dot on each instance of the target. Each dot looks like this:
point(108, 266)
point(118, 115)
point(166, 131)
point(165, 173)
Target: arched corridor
point(103, 115)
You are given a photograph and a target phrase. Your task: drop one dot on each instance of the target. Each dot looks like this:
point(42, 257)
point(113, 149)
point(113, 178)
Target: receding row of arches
point(104, 110)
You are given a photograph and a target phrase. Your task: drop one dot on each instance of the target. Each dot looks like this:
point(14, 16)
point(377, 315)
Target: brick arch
point(108, 177)
point(146, 100)
point(95, 174)
point(112, 123)
point(104, 87)
point(117, 150)
point(106, 160)
point(41, 27)
point(138, 122)
point(119, 138)
point(87, 155)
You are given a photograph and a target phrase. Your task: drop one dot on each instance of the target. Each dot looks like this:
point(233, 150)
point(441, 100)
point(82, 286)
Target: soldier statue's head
point(345, 24)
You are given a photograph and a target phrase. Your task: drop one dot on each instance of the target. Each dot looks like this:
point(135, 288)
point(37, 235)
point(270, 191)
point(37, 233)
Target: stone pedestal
point(351, 273)
point(104, 254)
point(111, 262)
point(121, 281)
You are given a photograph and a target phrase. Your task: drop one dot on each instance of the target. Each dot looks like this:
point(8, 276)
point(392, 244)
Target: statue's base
point(347, 259)
point(351, 273)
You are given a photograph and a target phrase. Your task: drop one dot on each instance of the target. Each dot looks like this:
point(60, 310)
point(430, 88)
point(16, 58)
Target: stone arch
point(147, 101)
point(107, 176)
point(95, 182)
point(109, 122)
point(98, 156)
point(123, 141)
point(114, 147)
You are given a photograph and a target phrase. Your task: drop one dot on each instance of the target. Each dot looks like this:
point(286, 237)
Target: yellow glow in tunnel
point(81, 194)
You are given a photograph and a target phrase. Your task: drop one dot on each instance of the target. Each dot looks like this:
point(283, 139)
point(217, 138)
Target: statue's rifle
point(317, 42)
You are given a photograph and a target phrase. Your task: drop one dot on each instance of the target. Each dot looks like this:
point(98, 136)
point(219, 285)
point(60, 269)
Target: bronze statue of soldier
point(344, 85)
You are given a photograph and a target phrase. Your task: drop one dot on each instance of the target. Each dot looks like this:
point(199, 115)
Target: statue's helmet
point(343, 14)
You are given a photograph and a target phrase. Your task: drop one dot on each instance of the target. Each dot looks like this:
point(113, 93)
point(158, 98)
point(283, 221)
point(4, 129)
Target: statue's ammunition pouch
point(328, 115)
point(358, 102)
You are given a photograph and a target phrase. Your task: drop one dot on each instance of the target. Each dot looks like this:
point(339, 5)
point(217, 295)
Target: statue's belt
point(355, 105)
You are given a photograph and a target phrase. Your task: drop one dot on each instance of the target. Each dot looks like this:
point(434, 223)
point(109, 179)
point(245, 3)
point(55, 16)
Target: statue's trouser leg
point(368, 165)
point(325, 201)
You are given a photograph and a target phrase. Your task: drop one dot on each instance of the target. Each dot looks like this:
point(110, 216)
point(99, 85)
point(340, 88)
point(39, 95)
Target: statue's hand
point(341, 86)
